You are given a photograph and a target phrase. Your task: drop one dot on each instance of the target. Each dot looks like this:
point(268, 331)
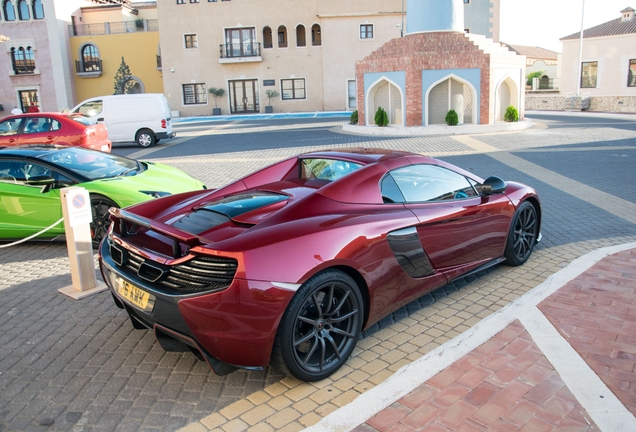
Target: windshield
point(326, 169)
point(93, 164)
point(83, 120)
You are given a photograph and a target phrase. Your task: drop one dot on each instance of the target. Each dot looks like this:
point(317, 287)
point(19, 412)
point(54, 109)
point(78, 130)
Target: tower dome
point(434, 16)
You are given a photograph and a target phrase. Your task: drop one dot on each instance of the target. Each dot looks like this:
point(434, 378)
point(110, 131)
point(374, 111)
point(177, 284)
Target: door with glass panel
point(243, 97)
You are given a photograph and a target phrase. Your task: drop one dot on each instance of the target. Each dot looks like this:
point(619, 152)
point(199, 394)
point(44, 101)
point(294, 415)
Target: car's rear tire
point(101, 218)
point(320, 327)
point(522, 235)
point(146, 138)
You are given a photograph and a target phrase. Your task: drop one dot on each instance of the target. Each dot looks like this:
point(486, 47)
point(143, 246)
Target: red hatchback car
point(54, 128)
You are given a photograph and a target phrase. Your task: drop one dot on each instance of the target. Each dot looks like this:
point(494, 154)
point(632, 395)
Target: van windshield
point(83, 120)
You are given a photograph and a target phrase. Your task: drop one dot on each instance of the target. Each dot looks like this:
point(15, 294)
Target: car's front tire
point(522, 236)
point(320, 327)
point(101, 218)
point(146, 138)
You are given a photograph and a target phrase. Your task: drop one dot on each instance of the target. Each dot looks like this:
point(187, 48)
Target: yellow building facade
point(101, 36)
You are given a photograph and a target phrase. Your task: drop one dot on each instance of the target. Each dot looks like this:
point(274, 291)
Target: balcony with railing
point(114, 27)
point(89, 69)
point(158, 61)
point(244, 52)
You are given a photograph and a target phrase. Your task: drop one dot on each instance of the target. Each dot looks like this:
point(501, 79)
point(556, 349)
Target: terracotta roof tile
point(610, 28)
point(532, 52)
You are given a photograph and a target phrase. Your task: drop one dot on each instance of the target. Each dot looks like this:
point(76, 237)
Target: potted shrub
point(139, 23)
point(381, 117)
point(270, 95)
point(354, 118)
point(217, 93)
point(511, 115)
point(451, 118)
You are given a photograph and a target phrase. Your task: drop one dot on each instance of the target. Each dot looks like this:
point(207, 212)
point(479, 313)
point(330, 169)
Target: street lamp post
point(578, 84)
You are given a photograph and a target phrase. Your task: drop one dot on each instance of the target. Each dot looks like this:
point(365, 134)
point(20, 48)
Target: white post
point(76, 207)
point(578, 83)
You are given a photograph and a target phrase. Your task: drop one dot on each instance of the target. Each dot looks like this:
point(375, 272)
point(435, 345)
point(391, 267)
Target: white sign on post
point(78, 203)
point(76, 207)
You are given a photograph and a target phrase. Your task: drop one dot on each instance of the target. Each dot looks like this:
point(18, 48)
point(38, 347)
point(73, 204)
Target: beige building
point(608, 63)
point(539, 60)
point(305, 51)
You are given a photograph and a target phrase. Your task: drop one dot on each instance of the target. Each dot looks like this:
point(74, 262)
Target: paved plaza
point(79, 365)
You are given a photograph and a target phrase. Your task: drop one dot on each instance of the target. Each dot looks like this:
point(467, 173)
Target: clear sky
point(543, 22)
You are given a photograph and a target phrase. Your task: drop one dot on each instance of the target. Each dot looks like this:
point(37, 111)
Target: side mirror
point(493, 185)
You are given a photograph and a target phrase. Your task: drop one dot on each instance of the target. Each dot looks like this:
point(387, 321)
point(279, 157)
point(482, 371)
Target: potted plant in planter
point(270, 94)
point(217, 93)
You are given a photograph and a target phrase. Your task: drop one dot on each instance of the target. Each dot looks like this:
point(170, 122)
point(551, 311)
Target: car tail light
point(163, 124)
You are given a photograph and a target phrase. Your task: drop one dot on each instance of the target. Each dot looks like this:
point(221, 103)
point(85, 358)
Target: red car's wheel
point(320, 327)
point(101, 218)
point(523, 234)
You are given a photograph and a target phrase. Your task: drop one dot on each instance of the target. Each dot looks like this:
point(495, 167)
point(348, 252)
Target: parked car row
point(95, 123)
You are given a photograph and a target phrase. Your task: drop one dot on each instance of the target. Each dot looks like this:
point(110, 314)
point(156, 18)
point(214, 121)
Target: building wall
point(139, 50)
point(482, 17)
point(52, 79)
point(612, 54)
point(326, 68)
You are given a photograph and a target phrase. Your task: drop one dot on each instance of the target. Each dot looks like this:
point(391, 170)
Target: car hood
point(132, 189)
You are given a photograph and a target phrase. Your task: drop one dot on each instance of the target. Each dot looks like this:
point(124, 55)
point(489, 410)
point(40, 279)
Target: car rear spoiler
point(176, 235)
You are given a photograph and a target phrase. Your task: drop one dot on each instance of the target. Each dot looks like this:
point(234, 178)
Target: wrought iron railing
point(87, 67)
point(245, 49)
point(114, 27)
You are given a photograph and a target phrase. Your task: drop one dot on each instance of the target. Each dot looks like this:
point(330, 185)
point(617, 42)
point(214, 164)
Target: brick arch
point(506, 94)
point(394, 105)
point(474, 102)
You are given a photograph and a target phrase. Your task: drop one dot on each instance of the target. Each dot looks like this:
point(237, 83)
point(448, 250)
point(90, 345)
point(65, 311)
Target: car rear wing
point(122, 217)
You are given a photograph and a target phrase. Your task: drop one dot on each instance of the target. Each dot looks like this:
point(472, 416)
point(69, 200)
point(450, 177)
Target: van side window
point(90, 109)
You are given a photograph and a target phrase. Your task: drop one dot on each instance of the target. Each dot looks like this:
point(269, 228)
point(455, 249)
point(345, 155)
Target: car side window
point(424, 183)
point(10, 127)
point(41, 125)
point(90, 109)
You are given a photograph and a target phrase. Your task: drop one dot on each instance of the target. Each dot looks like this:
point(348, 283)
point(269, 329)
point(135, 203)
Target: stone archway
point(507, 94)
point(451, 93)
point(384, 93)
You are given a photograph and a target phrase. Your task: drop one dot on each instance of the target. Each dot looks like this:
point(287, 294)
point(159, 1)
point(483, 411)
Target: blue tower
point(434, 15)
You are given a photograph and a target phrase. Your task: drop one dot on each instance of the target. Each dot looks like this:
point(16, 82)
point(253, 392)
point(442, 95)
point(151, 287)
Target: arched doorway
point(507, 95)
point(387, 95)
point(451, 94)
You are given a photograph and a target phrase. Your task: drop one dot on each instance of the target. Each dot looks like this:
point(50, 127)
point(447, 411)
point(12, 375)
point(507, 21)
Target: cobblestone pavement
point(79, 365)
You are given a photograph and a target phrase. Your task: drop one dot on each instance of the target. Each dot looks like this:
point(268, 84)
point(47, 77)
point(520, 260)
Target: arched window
point(23, 60)
point(9, 11)
point(90, 59)
point(38, 10)
point(282, 37)
point(301, 39)
point(315, 35)
point(23, 10)
point(267, 37)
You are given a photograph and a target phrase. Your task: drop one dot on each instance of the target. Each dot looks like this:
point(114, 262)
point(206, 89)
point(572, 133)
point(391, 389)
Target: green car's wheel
point(101, 218)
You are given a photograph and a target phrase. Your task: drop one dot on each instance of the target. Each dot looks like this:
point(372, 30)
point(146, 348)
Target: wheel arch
point(362, 284)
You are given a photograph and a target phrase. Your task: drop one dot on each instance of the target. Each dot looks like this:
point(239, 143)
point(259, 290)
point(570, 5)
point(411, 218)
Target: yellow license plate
point(135, 296)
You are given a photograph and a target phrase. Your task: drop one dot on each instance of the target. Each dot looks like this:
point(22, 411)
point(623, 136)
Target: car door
point(459, 229)
point(10, 130)
point(24, 209)
point(40, 130)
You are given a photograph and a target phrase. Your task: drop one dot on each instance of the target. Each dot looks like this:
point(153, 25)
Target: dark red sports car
point(289, 264)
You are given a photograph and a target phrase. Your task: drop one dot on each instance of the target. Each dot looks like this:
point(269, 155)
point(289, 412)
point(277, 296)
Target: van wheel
point(145, 138)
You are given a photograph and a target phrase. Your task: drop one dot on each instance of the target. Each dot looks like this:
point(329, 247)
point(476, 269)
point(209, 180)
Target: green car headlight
point(156, 194)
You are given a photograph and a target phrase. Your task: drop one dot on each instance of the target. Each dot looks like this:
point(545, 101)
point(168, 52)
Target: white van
point(144, 118)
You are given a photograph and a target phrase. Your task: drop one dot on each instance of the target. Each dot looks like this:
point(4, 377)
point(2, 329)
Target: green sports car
point(31, 178)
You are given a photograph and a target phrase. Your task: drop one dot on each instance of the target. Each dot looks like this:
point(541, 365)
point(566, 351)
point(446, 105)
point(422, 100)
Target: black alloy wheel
point(101, 218)
point(320, 327)
point(523, 234)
